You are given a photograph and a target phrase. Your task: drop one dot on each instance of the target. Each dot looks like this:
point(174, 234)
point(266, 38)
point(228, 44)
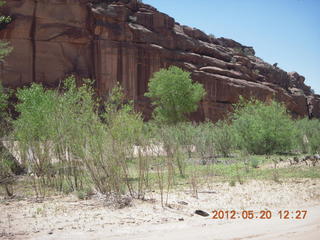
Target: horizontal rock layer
point(127, 41)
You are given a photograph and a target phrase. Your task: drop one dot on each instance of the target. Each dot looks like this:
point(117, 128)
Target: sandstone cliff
point(127, 41)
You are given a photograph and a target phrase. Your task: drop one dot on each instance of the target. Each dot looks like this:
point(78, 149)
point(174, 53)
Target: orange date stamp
point(263, 214)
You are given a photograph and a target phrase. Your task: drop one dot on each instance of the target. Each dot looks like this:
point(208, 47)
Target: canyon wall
point(127, 41)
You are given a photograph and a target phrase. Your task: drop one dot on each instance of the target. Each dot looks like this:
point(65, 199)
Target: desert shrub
point(7, 168)
point(8, 165)
point(34, 131)
point(167, 154)
point(169, 136)
point(3, 101)
point(185, 135)
point(88, 141)
point(308, 136)
point(124, 124)
point(223, 138)
point(254, 162)
point(5, 118)
point(204, 141)
point(36, 108)
point(263, 128)
point(69, 145)
point(5, 50)
point(171, 146)
point(77, 126)
point(84, 193)
point(126, 129)
point(173, 94)
point(232, 183)
point(212, 139)
point(47, 128)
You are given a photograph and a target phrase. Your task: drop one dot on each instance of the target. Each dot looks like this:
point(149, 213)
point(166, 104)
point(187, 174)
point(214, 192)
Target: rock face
point(127, 41)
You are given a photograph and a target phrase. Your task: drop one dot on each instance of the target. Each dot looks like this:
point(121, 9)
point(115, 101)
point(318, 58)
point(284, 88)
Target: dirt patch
point(69, 218)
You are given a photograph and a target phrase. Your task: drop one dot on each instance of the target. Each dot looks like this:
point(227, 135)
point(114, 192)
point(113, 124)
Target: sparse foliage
point(308, 136)
point(223, 138)
point(5, 48)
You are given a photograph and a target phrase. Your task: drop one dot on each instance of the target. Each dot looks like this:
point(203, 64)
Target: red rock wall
point(127, 42)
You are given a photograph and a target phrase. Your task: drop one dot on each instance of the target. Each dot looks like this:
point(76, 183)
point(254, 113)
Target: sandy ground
point(69, 218)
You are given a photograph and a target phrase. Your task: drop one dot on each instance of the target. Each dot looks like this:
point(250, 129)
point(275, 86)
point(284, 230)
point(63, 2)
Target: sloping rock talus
point(127, 41)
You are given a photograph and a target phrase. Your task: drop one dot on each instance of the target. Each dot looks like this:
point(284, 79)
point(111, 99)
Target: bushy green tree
point(263, 128)
point(173, 94)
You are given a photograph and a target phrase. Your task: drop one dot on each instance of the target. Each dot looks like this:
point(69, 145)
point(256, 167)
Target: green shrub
point(204, 141)
point(5, 118)
point(254, 162)
point(170, 137)
point(3, 100)
point(8, 165)
point(174, 95)
point(232, 183)
point(49, 127)
point(84, 193)
point(185, 135)
point(308, 135)
point(223, 138)
point(125, 129)
point(263, 128)
point(124, 124)
point(88, 148)
point(211, 139)
point(36, 107)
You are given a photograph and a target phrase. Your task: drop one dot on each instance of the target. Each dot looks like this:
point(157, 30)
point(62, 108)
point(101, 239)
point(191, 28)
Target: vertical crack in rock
point(90, 25)
point(119, 65)
point(33, 40)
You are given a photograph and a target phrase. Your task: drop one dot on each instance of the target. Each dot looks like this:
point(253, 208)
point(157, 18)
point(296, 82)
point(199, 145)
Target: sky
point(286, 32)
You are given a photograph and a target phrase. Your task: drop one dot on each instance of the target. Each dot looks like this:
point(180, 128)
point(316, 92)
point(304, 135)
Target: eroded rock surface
point(128, 41)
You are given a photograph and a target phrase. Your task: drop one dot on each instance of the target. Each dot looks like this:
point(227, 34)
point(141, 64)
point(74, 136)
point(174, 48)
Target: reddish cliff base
point(127, 41)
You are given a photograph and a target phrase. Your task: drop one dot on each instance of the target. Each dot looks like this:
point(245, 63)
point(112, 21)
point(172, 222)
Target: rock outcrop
point(127, 41)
